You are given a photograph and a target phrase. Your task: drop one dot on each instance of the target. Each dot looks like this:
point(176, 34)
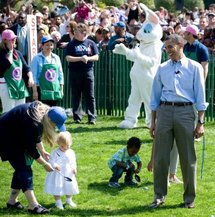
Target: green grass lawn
point(94, 145)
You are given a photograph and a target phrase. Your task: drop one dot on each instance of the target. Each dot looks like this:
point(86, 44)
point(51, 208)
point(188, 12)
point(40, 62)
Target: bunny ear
point(153, 17)
point(150, 15)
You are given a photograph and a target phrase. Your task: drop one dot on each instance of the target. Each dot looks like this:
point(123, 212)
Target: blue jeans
point(118, 171)
point(23, 175)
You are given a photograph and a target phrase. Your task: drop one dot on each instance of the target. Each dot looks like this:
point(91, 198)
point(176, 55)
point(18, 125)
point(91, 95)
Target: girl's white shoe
point(59, 205)
point(71, 203)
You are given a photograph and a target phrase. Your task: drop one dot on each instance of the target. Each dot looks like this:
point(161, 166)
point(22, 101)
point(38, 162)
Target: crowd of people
point(106, 24)
point(83, 31)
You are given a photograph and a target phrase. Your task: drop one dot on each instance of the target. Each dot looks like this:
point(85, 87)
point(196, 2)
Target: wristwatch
point(201, 122)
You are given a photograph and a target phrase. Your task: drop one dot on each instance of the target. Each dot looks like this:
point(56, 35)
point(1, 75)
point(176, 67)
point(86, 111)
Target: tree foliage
point(115, 3)
point(208, 2)
point(168, 4)
point(15, 4)
point(12, 3)
point(190, 4)
point(149, 3)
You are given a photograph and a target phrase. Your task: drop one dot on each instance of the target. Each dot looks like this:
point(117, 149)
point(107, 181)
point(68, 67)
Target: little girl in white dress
point(63, 160)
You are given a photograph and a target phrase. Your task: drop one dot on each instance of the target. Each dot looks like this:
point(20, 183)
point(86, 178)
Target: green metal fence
point(210, 91)
point(112, 84)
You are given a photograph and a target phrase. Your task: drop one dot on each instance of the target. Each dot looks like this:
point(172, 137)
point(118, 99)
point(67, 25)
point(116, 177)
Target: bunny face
point(151, 29)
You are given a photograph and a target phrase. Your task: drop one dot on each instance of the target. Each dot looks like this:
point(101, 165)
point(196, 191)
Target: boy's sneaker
point(114, 184)
point(131, 183)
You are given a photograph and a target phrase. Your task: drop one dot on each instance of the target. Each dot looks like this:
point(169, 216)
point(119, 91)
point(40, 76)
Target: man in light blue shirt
point(178, 85)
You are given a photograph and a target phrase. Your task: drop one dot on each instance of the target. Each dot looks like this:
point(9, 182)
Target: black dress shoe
point(189, 205)
point(77, 121)
point(156, 203)
point(92, 122)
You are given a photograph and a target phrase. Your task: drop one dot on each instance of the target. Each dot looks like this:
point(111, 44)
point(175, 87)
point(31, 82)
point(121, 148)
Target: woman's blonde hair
point(41, 115)
point(49, 133)
point(64, 138)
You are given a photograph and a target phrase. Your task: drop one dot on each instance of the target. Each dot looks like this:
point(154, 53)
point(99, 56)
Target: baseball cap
point(63, 10)
point(46, 38)
point(58, 117)
point(106, 29)
point(8, 35)
point(120, 24)
point(192, 29)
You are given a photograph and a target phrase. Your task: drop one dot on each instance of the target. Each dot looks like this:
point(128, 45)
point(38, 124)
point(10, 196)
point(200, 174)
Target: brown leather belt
point(176, 103)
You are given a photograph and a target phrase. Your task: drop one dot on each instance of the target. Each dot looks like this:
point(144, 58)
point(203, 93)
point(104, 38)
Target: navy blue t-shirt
point(199, 49)
point(79, 48)
point(19, 132)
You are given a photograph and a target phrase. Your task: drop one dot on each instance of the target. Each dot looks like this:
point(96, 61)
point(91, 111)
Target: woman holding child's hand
point(21, 133)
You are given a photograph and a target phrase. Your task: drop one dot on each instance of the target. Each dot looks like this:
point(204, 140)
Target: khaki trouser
point(175, 122)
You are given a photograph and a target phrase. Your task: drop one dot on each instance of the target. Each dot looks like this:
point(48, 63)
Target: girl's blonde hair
point(64, 138)
point(41, 115)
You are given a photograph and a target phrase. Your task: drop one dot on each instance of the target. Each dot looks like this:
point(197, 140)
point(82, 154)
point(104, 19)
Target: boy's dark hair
point(99, 31)
point(134, 142)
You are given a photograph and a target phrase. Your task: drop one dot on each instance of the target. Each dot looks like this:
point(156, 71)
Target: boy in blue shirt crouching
point(122, 161)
